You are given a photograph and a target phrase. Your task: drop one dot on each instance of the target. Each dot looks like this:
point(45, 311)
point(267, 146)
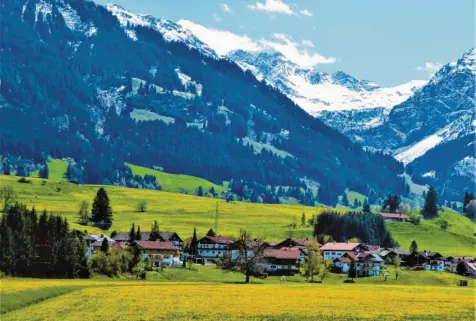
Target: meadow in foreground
point(137, 300)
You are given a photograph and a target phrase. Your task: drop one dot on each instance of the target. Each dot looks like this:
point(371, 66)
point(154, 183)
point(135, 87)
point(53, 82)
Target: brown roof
point(343, 259)
point(394, 215)
point(332, 246)
point(154, 245)
point(99, 243)
point(221, 239)
point(119, 245)
point(305, 242)
point(290, 253)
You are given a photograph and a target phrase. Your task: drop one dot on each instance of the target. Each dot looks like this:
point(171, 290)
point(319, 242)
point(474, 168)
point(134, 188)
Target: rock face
point(105, 86)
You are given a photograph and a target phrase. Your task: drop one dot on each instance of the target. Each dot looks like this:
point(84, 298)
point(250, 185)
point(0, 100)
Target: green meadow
point(181, 213)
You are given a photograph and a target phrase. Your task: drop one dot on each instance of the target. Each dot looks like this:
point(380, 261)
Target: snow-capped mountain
point(169, 30)
point(318, 92)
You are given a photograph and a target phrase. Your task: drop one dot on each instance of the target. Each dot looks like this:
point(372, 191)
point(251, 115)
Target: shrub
point(141, 206)
point(24, 180)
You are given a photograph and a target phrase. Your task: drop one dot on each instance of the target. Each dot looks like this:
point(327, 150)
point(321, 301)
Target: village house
point(283, 261)
point(452, 262)
point(471, 269)
point(236, 249)
point(430, 261)
point(301, 244)
point(394, 217)
point(215, 246)
point(157, 253)
point(94, 243)
point(366, 263)
point(334, 250)
point(171, 237)
point(390, 254)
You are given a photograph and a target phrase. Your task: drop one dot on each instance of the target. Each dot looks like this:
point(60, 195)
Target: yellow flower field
point(135, 300)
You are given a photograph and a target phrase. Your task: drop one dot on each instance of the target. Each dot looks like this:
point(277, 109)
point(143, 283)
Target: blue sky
point(388, 42)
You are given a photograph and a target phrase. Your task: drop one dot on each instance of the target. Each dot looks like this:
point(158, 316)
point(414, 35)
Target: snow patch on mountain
point(466, 167)
point(73, 21)
point(169, 30)
point(42, 7)
point(463, 126)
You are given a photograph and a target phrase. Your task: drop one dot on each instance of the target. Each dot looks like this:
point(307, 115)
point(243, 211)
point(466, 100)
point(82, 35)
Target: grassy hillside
point(57, 168)
point(457, 240)
point(173, 211)
point(176, 183)
point(29, 299)
point(182, 213)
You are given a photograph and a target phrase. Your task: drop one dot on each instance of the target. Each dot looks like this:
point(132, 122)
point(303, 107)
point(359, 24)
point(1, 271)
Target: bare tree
point(8, 197)
point(83, 213)
point(250, 252)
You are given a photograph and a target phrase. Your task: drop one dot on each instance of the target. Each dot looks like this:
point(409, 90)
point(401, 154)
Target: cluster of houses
point(283, 258)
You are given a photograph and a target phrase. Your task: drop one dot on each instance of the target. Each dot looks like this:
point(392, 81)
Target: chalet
point(171, 237)
point(334, 250)
point(298, 243)
point(430, 261)
point(394, 217)
point(471, 269)
point(236, 249)
point(452, 262)
point(301, 244)
point(280, 261)
point(94, 243)
point(389, 254)
point(215, 246)
point(366, 263)
point(158, 253)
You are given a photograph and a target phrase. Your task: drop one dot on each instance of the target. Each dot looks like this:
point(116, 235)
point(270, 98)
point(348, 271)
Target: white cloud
point(291, 51)
point(277, 6)
point(226, 8)
point(308, 43)
point(306, 13)
point(223, 42)
point(430, 67)
point(217, 17)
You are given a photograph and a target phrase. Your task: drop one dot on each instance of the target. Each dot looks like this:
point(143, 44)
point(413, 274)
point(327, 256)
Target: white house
point(334, 250)
point(91, 239)
point(215, 246)
point(366, 263)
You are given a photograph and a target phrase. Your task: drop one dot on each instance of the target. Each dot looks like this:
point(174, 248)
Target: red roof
point(153, 245)
point(395, 215)
point(290, 253)
point(120, 245)
point(332, 246)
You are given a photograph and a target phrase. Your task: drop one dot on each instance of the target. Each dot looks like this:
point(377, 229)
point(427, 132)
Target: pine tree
point(102, 211)
point(138, 234)
point(345, 200)
point(105, 245)
point(44, 171)
point(200, 191)
point(468, 197)
point(154, 233)
point(461, 268)
point(212, 191)
point(430, 209)
point(366, 208)
point(132, 234)
point(356, 203)
point(413, 247)
point(303, 219)
point(194, 243)
point(352, 273)
point(211, 232)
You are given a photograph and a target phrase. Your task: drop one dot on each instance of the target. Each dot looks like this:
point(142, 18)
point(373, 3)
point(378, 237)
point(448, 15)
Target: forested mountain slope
point(105, 86)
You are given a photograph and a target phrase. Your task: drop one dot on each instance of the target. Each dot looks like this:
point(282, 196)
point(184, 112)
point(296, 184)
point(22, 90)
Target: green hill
point(176, 183)
point(457, 240)
point(182, 213)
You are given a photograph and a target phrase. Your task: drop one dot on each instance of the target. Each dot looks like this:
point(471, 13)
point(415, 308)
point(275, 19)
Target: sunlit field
point(144, 300)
